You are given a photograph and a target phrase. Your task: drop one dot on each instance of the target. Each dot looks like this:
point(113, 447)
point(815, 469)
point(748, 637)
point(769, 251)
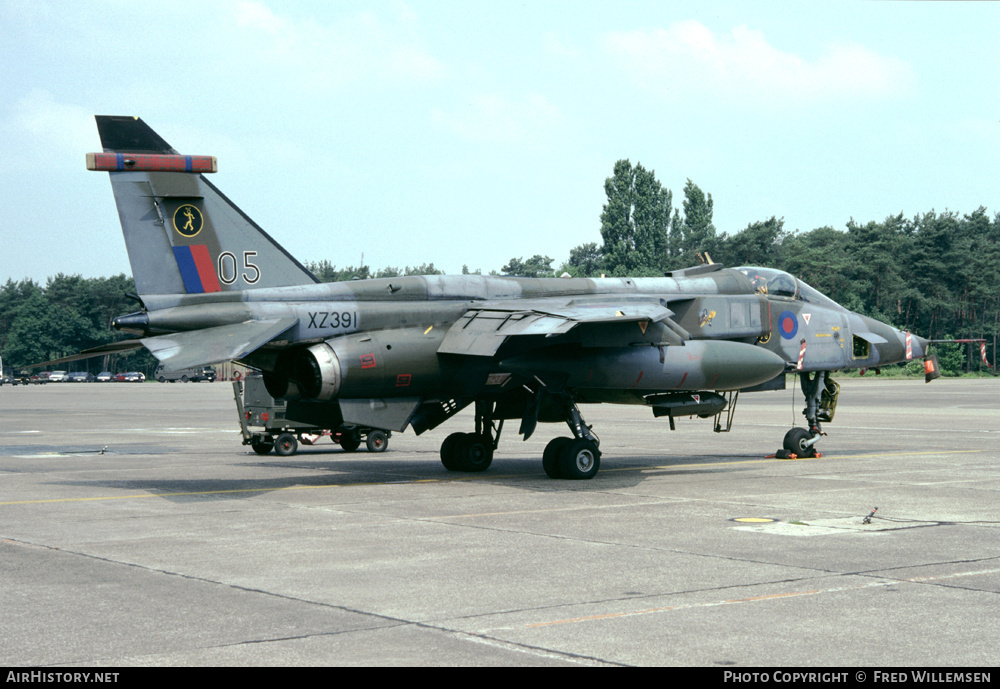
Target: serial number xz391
point(332, 319)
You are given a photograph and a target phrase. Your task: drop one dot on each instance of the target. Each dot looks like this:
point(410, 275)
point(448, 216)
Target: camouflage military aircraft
point(413, 351)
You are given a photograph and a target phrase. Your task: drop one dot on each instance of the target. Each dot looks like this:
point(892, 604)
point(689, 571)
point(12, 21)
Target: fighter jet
point(412, 352)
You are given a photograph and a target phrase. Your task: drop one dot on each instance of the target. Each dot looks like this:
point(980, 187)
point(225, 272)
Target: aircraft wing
point(214, 345)
point(482, 330)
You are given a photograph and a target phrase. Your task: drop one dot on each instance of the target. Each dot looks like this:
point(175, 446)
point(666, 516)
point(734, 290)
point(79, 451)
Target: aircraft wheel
point(377, 441)
point(550, 458)
point(474, 452)
point(262, 447)
point(579, 459)
point(349, 442)
point(449, 456)
point(286, 445)
point(795, 442)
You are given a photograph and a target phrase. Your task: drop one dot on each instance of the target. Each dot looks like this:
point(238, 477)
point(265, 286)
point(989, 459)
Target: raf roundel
point(788, 325)
point(188, 220)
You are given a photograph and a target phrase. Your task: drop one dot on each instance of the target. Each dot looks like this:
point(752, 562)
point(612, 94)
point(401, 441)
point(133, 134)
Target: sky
point(468, 133)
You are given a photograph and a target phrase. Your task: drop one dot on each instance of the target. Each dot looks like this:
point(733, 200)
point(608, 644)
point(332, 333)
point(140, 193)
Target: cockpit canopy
point(778, 283)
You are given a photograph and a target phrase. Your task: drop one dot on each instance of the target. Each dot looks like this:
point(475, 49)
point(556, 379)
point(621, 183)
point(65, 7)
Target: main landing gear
point(821, 394)
point(573, 458)
point(568, 458)
point(473, 451)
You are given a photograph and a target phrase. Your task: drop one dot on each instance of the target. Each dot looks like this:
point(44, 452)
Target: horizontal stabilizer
point(110, 348)
point(214, 345)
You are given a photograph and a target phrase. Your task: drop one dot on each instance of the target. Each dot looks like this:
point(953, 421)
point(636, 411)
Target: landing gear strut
point(573, 458)
point(568, 458)
point(473, 451)
point(821, 401)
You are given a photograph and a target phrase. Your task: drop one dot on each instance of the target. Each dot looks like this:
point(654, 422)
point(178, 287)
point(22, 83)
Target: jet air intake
point(310, 373)
point(389, 363)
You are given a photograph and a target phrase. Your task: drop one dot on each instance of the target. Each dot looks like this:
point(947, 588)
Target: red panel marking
point(368, 361)
point(638, 379)
point(206, 270)
point(682, 381)
point(403, 380)
point(140, 162)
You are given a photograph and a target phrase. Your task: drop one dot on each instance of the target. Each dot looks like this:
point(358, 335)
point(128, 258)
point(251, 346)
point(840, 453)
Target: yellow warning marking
point(428, 330)
point(754, 520)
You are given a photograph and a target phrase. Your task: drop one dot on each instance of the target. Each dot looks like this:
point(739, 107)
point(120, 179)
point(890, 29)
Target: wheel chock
point(785, 454)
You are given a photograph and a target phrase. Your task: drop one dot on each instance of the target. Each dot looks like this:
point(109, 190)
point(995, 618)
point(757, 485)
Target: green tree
point(585, 260)
point(534, 267)
point(328, 272)
point(823, 258)
point(635, 222)
point(696, 233)
point(423, 269)
point(759, 244)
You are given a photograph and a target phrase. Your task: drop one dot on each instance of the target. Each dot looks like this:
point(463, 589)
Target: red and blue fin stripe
point(197, 269)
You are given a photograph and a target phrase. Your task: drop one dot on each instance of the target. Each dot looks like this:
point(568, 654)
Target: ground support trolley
point(264, 426)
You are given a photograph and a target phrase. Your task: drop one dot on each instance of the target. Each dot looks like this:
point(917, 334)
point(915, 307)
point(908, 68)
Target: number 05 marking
point(229, 268)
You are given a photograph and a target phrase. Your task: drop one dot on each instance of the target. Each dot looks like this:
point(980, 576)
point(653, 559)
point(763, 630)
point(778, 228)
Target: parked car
point(80, 377)
point(105, 377)
point(130, 377)
point(185, 374)
point(40, 378)
point(57, 377)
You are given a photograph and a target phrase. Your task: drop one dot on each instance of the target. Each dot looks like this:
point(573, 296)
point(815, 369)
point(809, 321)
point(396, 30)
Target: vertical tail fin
point(182, 234)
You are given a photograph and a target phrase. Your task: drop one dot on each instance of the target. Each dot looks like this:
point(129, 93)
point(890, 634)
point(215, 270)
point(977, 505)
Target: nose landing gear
point(821, 394)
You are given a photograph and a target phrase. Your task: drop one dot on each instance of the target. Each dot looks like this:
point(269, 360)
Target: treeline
point(66, 315)
point(328, 272)
point(935, 274)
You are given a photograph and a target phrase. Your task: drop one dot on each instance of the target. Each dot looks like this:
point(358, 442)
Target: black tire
point(449, 457)
point(349, 442)
point(262, 447)
point(550, 458)
point(795, 442)
point(475, 452)
point(579, 459)
point(377, 441)
point(286, 445)
point(184, 379)
point(162, 379)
